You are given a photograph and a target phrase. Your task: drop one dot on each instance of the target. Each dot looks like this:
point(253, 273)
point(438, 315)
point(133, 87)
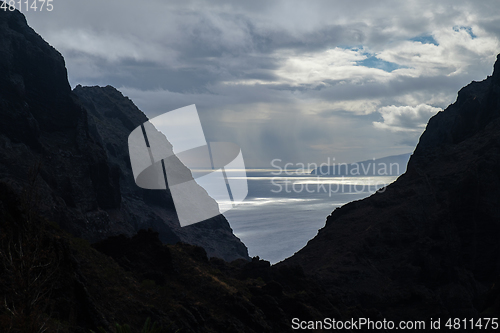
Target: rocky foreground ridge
point(429, 245)
point(75, 144)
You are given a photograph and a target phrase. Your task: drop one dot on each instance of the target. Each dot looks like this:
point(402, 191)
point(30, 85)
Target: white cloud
point(455, 53)
point(405, 118)
point(335, 64)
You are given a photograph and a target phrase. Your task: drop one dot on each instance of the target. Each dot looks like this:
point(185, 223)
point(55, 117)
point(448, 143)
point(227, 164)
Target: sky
point(297, 81)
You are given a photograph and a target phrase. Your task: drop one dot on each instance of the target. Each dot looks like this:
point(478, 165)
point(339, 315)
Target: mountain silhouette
point(428, 245)
point(77, 144)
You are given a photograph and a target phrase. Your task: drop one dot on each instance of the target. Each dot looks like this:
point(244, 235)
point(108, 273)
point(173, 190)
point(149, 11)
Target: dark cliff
point(428, 246)
point(76, 144)
point(111, 118)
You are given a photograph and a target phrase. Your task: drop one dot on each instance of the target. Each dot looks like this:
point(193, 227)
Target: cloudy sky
point(296, 80)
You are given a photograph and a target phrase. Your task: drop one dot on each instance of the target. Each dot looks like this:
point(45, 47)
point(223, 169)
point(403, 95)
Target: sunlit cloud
point(405, 118)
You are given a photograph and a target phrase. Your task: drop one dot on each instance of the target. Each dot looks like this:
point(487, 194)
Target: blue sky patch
point(374, 62)
point(425, 40)
point(467, 29)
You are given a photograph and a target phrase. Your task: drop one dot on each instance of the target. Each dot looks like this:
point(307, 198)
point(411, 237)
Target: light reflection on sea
point(274, 222)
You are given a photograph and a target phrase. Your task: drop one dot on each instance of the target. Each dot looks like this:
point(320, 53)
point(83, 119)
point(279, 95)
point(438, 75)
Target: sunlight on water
point(275, 224)
point(250, 202)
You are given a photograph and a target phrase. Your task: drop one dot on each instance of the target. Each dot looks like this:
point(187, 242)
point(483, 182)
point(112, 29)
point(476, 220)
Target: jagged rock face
point(33, 84)
point(427, 246)
point(111, 118)
point(79, 156)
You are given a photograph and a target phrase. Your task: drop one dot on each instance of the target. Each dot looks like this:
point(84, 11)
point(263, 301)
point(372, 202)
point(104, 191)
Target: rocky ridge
point(428, 245)
point(75, 143)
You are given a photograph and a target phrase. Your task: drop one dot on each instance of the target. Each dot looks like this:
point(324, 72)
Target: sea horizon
point(283, 212)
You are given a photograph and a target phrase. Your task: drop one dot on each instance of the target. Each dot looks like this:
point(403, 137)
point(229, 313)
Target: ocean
point(283, 212)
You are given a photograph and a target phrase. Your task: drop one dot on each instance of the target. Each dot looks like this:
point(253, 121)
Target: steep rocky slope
point(78, 150)
point(111, 118)
point(428, 246)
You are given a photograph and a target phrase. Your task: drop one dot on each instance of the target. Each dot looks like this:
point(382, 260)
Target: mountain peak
point(496, 70)
point(78, 142)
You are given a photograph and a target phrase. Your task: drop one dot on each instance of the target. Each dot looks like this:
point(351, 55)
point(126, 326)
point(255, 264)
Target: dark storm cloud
point(318, 40)
point(388, 91)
